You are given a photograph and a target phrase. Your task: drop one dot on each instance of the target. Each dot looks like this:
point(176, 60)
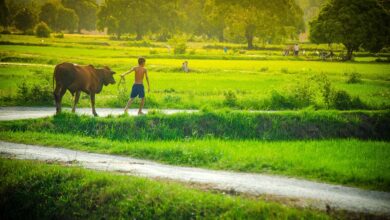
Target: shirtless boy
point(138, 87)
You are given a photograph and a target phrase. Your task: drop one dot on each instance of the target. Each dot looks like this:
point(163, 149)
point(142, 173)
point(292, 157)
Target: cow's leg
point(58, 93)
point(76, 100)
point(62, 93)
point(93, 104)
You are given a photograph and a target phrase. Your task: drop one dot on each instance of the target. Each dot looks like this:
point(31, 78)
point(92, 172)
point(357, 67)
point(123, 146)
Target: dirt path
point(319, 194)
point(15, 113)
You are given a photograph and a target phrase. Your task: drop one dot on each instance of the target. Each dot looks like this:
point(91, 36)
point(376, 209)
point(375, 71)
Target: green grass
point(34, 190)
point(289, 125)
point(348, 162)
point(252, 79)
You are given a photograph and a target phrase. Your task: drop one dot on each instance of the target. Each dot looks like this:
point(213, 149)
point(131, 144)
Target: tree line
point(358, 24)
point(225, 20)
point(64, 15)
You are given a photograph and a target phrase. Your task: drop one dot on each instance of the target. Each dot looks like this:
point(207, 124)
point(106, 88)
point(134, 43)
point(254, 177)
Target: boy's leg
point(141, 105)
point(128, 104)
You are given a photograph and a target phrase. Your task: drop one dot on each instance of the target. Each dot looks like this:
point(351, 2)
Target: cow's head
point(108, 77)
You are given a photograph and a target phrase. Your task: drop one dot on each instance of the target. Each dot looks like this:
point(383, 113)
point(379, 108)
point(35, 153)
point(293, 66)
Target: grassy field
point(38, 191)
point(317, 142)
point(325, 146)
point(348, 162)
point(253, 80)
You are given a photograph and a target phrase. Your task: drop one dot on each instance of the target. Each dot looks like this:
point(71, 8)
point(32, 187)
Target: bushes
point(230, 99)
point(34, 94)
point(353, 77)
point(42, 30)
point(59, 35)
point(341, 100)
point(179, 44)
point(317, 90)
point(224, 125)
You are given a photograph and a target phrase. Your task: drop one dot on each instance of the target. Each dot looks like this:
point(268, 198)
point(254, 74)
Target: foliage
point(34, 94)
point(354, 77)
point(48, 14)
point(313, 90)
point(5, 19)
point(25, 19)
point(341, 100)
point(267, 20)
point(179, 44)
point(42, 30)
point(230, 99)
point(59, 35)
point(113, 15)
point(67, 19)
point(354, 23)
point(86, 12)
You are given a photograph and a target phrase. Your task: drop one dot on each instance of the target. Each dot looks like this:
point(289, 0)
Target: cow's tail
point(53, 81)
point(54, 74)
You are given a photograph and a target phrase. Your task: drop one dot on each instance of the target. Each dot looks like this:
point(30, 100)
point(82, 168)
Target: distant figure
point(286, 51)
point(169, 48)
point(225, 50)
point(304, 52)
point(296, 49)
point(138, 86)
point(184, 66)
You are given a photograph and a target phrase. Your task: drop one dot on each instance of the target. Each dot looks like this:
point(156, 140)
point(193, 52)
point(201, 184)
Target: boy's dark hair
point(141, 60)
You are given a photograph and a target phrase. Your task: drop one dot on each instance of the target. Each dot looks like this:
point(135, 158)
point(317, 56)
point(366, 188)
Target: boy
point(138, 87)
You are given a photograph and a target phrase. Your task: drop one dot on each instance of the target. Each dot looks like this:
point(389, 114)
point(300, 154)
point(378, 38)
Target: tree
point(113, 15)
point(214, 21)
point(86, 11)
point(354, 23)
point(25, 20)
point(66, 19)
point(167, 19)
point(42, 30)
point(122, 16)
point(4, 14)
point(267, 20)
point(49, 13)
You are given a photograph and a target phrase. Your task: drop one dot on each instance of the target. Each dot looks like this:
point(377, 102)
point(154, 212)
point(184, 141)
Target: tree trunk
point(118, 35)
point(349, 53)
point(139, 36)
point(249, 34)
point(249, 38)
point(221, 38)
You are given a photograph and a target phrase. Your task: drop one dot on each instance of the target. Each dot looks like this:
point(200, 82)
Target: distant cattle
point(77, 78)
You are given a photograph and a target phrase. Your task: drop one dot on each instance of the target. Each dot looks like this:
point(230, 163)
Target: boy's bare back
point(139, 74)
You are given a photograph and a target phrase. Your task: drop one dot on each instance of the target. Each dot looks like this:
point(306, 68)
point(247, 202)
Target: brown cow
point(77, 78)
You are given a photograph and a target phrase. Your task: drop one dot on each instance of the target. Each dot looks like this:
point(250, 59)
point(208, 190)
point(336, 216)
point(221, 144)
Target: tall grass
point(224, 125)
point(349, 162)
point(31, 190)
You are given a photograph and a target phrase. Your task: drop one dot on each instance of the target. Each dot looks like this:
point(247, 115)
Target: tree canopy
point(354, 23)
point(241, 20)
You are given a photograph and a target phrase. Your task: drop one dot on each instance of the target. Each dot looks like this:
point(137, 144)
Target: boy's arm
point(147, 79)
point(124, 74)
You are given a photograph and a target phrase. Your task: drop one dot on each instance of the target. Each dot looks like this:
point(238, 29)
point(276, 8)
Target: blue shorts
point(137, 90)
